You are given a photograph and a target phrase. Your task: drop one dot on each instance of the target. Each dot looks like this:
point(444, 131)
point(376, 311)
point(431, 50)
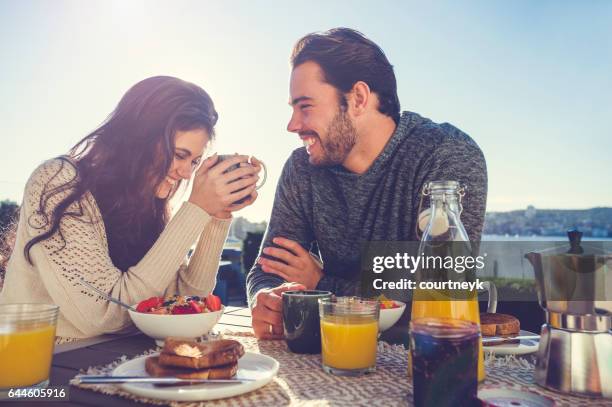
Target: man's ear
point(359, 98)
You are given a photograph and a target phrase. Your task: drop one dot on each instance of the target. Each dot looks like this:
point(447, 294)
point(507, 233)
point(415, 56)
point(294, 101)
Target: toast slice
point(194, 355)
point(499, 325)
point(155, 369)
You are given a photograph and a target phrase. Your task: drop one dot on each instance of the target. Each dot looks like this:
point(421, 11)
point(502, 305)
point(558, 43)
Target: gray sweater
point(337, 210)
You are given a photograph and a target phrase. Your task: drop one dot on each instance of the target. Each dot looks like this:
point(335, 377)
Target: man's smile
point(309, 141)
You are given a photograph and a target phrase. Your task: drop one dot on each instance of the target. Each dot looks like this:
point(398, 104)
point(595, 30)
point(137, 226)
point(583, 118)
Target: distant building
point(232, 242)
point(595, 222)
point(240, 226)
point(530, 212)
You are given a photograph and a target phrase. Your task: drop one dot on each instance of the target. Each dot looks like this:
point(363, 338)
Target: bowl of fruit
point(184, 316)
point(390, 312)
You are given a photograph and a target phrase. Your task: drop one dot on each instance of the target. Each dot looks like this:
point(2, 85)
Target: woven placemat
point(302, 382)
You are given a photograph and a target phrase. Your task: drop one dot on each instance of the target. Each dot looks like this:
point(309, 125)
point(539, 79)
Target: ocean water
point(517, 238)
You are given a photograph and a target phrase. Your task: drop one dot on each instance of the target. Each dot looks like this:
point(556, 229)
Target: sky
point(529, 81)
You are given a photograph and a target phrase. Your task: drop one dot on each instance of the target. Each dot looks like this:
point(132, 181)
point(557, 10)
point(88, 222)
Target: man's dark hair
point(346, 56)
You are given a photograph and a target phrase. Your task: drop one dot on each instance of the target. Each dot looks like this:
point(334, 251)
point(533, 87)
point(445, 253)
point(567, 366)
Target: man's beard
point(340, 140)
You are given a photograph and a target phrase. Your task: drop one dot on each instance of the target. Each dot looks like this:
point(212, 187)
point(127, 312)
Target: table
point(69, 358)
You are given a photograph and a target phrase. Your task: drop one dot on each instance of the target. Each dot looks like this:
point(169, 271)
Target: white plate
point(262, 368)
point(507, 397)
point(524, 346)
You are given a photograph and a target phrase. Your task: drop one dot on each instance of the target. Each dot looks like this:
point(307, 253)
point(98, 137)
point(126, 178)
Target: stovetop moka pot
point(574, 287)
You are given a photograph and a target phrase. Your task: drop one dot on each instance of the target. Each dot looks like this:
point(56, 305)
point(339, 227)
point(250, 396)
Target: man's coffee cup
point(301, 320)
point(222, 157)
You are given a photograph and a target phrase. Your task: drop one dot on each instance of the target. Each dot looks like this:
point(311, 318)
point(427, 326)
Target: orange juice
point(424, 304)
point(349, 342)
point(25, 356)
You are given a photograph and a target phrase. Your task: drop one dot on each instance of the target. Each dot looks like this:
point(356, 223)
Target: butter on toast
point(195, 355)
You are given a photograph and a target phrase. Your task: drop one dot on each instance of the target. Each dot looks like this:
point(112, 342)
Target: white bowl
point(388, 317)
point(160, 326)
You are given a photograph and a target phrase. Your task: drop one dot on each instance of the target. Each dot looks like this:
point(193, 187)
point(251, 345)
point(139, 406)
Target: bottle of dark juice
point(444, 362)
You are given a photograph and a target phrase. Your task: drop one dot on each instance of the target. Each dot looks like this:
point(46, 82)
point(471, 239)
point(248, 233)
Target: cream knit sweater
point(53, 278)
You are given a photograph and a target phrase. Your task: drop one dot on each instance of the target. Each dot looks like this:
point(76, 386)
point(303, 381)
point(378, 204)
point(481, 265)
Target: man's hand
point(301, 267)
point(266, 311)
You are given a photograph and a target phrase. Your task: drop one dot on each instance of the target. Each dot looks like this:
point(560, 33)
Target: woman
point(101, 213)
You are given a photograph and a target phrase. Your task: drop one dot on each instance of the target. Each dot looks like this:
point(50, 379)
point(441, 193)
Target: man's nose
point(295, 124)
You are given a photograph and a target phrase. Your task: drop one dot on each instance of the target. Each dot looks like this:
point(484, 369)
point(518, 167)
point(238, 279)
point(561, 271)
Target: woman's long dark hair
point(123, 162)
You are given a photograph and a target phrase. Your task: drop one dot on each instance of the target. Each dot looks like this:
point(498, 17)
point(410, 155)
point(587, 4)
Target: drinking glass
point(27, 338)
point(444, 361)
point(349, 331)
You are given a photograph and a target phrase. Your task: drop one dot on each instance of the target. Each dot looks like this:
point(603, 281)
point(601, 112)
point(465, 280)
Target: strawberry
point(388, 304)
point(183, 309)
point(194, 305)
point(146, 305)
point(142, 306)
point(213, 302)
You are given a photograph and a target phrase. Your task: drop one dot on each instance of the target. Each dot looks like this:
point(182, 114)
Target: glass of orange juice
point(27, 337)
point(349, 332)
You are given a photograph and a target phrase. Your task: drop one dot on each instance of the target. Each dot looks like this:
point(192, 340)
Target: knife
point(496, 340)
point(86, 379)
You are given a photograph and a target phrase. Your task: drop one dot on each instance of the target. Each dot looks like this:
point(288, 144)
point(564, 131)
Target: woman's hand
point(227, 213)
point(216, 192)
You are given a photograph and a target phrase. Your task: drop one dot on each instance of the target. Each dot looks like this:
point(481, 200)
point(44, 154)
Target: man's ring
point(270, 329)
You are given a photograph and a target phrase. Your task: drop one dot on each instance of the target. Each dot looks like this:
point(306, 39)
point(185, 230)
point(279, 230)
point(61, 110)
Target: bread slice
point(194, 355)
point(499, 325)
point(155, 369)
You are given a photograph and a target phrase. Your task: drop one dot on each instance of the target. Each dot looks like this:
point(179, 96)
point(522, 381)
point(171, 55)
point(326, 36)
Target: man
point(359, 176)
